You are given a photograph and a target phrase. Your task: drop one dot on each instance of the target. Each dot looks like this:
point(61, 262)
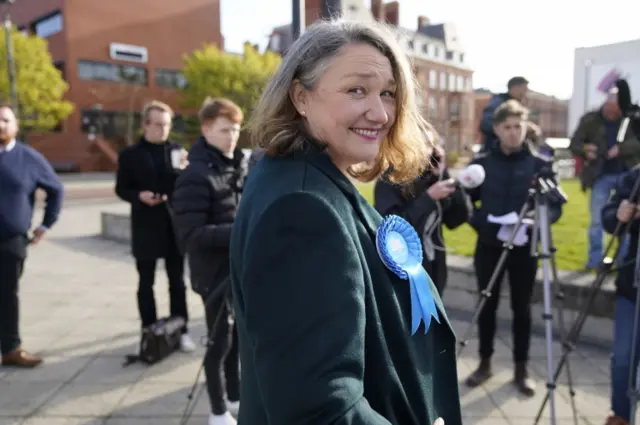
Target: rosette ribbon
point(400, 249)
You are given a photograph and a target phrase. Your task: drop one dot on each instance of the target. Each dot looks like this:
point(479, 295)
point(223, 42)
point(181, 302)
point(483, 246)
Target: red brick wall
point(167, 28)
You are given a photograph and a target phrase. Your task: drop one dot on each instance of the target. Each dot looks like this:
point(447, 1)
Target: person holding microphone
point(429, 202)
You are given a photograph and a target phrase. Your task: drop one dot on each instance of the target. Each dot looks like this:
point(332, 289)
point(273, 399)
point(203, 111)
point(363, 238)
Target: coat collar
point(315, 154)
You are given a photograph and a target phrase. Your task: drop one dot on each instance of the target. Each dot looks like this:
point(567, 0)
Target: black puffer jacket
point(505, 189)
point(624, 278)
point(205, 201)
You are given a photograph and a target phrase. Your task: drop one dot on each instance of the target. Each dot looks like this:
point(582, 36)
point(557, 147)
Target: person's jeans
point(600, 194)
point(621, 358)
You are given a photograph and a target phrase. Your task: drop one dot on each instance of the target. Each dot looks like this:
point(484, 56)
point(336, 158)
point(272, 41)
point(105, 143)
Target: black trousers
point(521, 268)
point(174, 266)
point(11, 266)
point(221, 363)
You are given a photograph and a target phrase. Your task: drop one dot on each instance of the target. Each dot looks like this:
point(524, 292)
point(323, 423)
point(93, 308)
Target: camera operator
point(427, 203)
point(605, 160)
point(620, 209)
point(206, 200)
point(510, 166)
point(517, 89)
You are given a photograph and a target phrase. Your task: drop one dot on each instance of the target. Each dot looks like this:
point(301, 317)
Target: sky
point(502, 38)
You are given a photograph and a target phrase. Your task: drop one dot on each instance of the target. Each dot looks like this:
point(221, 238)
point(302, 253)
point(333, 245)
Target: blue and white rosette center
point(400, 249)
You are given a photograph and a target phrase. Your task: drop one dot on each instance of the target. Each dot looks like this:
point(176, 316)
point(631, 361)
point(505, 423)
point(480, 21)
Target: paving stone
point(85, 399)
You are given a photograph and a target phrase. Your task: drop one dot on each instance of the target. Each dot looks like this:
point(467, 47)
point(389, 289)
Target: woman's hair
point(277, 126)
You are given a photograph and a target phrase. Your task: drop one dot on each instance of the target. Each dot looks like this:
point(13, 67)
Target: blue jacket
point(486, 122)
point(624, 277)
point(505, 188)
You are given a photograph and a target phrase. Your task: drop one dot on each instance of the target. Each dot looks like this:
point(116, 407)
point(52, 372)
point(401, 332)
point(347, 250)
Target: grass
point(569, 233)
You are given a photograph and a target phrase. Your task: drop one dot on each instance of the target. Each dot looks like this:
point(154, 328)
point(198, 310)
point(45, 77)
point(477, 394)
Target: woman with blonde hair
point(337, 321)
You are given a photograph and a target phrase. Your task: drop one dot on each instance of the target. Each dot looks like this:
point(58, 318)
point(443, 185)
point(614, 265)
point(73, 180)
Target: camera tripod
point(541, 247)
point(223, 290)
point(568, 344)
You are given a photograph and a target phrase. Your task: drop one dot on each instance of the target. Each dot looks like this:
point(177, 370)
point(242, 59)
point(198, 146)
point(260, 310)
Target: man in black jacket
point(510, 166)
point(205, 201)
point(427, 203)
point(145, 178)
point(621, 208)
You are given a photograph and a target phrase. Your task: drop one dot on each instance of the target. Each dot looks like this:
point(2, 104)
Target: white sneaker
point(186, 344)
point(233, 407)
point(225, 419)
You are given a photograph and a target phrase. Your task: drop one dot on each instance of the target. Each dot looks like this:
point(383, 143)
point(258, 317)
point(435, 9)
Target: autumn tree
point(240, 78)
point(39, 83)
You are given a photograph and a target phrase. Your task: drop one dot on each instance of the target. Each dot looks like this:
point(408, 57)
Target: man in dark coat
point(205, 201)
point(510, 166)
point(146, 175)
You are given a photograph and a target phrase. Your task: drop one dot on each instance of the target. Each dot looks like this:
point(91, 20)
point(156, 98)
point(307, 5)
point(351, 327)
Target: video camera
point(630, 111)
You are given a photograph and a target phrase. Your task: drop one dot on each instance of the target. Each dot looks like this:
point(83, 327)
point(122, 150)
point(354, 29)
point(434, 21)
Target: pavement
point(79, 311)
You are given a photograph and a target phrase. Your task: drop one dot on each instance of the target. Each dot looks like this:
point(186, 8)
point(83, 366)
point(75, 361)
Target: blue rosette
point(400, 249)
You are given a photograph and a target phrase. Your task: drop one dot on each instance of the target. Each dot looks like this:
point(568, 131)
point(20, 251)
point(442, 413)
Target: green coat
point(323, 326)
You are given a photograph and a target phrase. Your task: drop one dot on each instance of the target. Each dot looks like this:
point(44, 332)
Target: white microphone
point(470, 177)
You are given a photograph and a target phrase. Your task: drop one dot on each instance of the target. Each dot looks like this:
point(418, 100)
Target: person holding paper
point(511, 166)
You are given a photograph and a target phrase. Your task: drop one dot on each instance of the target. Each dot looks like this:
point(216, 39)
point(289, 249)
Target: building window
point(433, 107)
point(452, 82)
point(461, 57)
point(449, 55)
point(112, 124)
point(454, 110)
point(48, 26)
point(433, 79)
point(102, 71)
point(170, 79)
point(443, 81)
point(460, 83)
point(410, 45)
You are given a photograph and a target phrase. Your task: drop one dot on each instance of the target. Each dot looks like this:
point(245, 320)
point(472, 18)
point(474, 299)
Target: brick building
point(117, 54)
point(438, 58)
point(549, 112)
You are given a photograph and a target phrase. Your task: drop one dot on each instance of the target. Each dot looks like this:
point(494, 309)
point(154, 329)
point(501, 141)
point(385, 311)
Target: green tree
point(240, 78)
point(40, 85)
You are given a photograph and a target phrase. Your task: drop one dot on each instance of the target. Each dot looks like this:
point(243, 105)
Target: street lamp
point(9, 47)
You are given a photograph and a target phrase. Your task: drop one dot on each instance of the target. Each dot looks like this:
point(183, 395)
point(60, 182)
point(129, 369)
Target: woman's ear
point(299, 97)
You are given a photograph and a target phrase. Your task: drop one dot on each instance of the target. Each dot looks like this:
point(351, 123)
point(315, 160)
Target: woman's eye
point(389, 93)
point(357, 90)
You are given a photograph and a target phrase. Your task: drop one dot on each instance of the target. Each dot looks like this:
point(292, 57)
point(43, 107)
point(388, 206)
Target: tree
point(40, 85)
point(212, 72)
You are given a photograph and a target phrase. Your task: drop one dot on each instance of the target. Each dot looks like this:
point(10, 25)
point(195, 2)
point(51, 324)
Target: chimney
point(377, 9)
point(392, 13)
point(423, 21)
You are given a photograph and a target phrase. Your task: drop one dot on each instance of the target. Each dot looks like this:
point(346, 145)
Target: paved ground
point(79, 311)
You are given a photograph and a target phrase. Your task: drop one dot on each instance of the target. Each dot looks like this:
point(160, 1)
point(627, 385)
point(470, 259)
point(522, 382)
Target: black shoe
point(521, 380)
point(481, 374)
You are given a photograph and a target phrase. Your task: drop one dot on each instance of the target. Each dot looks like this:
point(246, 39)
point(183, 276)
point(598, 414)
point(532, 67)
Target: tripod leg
point(561, 326)
point(486, 293)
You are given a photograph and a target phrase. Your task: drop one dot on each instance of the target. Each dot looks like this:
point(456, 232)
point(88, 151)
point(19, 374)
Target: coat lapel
point(369, 216)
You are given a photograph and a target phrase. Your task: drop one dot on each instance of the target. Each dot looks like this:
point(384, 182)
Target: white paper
point(521, 237)
point(511, 218)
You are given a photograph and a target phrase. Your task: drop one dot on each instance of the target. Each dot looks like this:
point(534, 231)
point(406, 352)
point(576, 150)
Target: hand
point(613, 152)
point(184, 159)
point(151, 199)
point(439, 421)
point(627, 211)
point(441, 189)
point(38, 234)
point(590, 151)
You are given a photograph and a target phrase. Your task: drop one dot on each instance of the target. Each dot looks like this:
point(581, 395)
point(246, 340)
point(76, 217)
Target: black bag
point(158, 341)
